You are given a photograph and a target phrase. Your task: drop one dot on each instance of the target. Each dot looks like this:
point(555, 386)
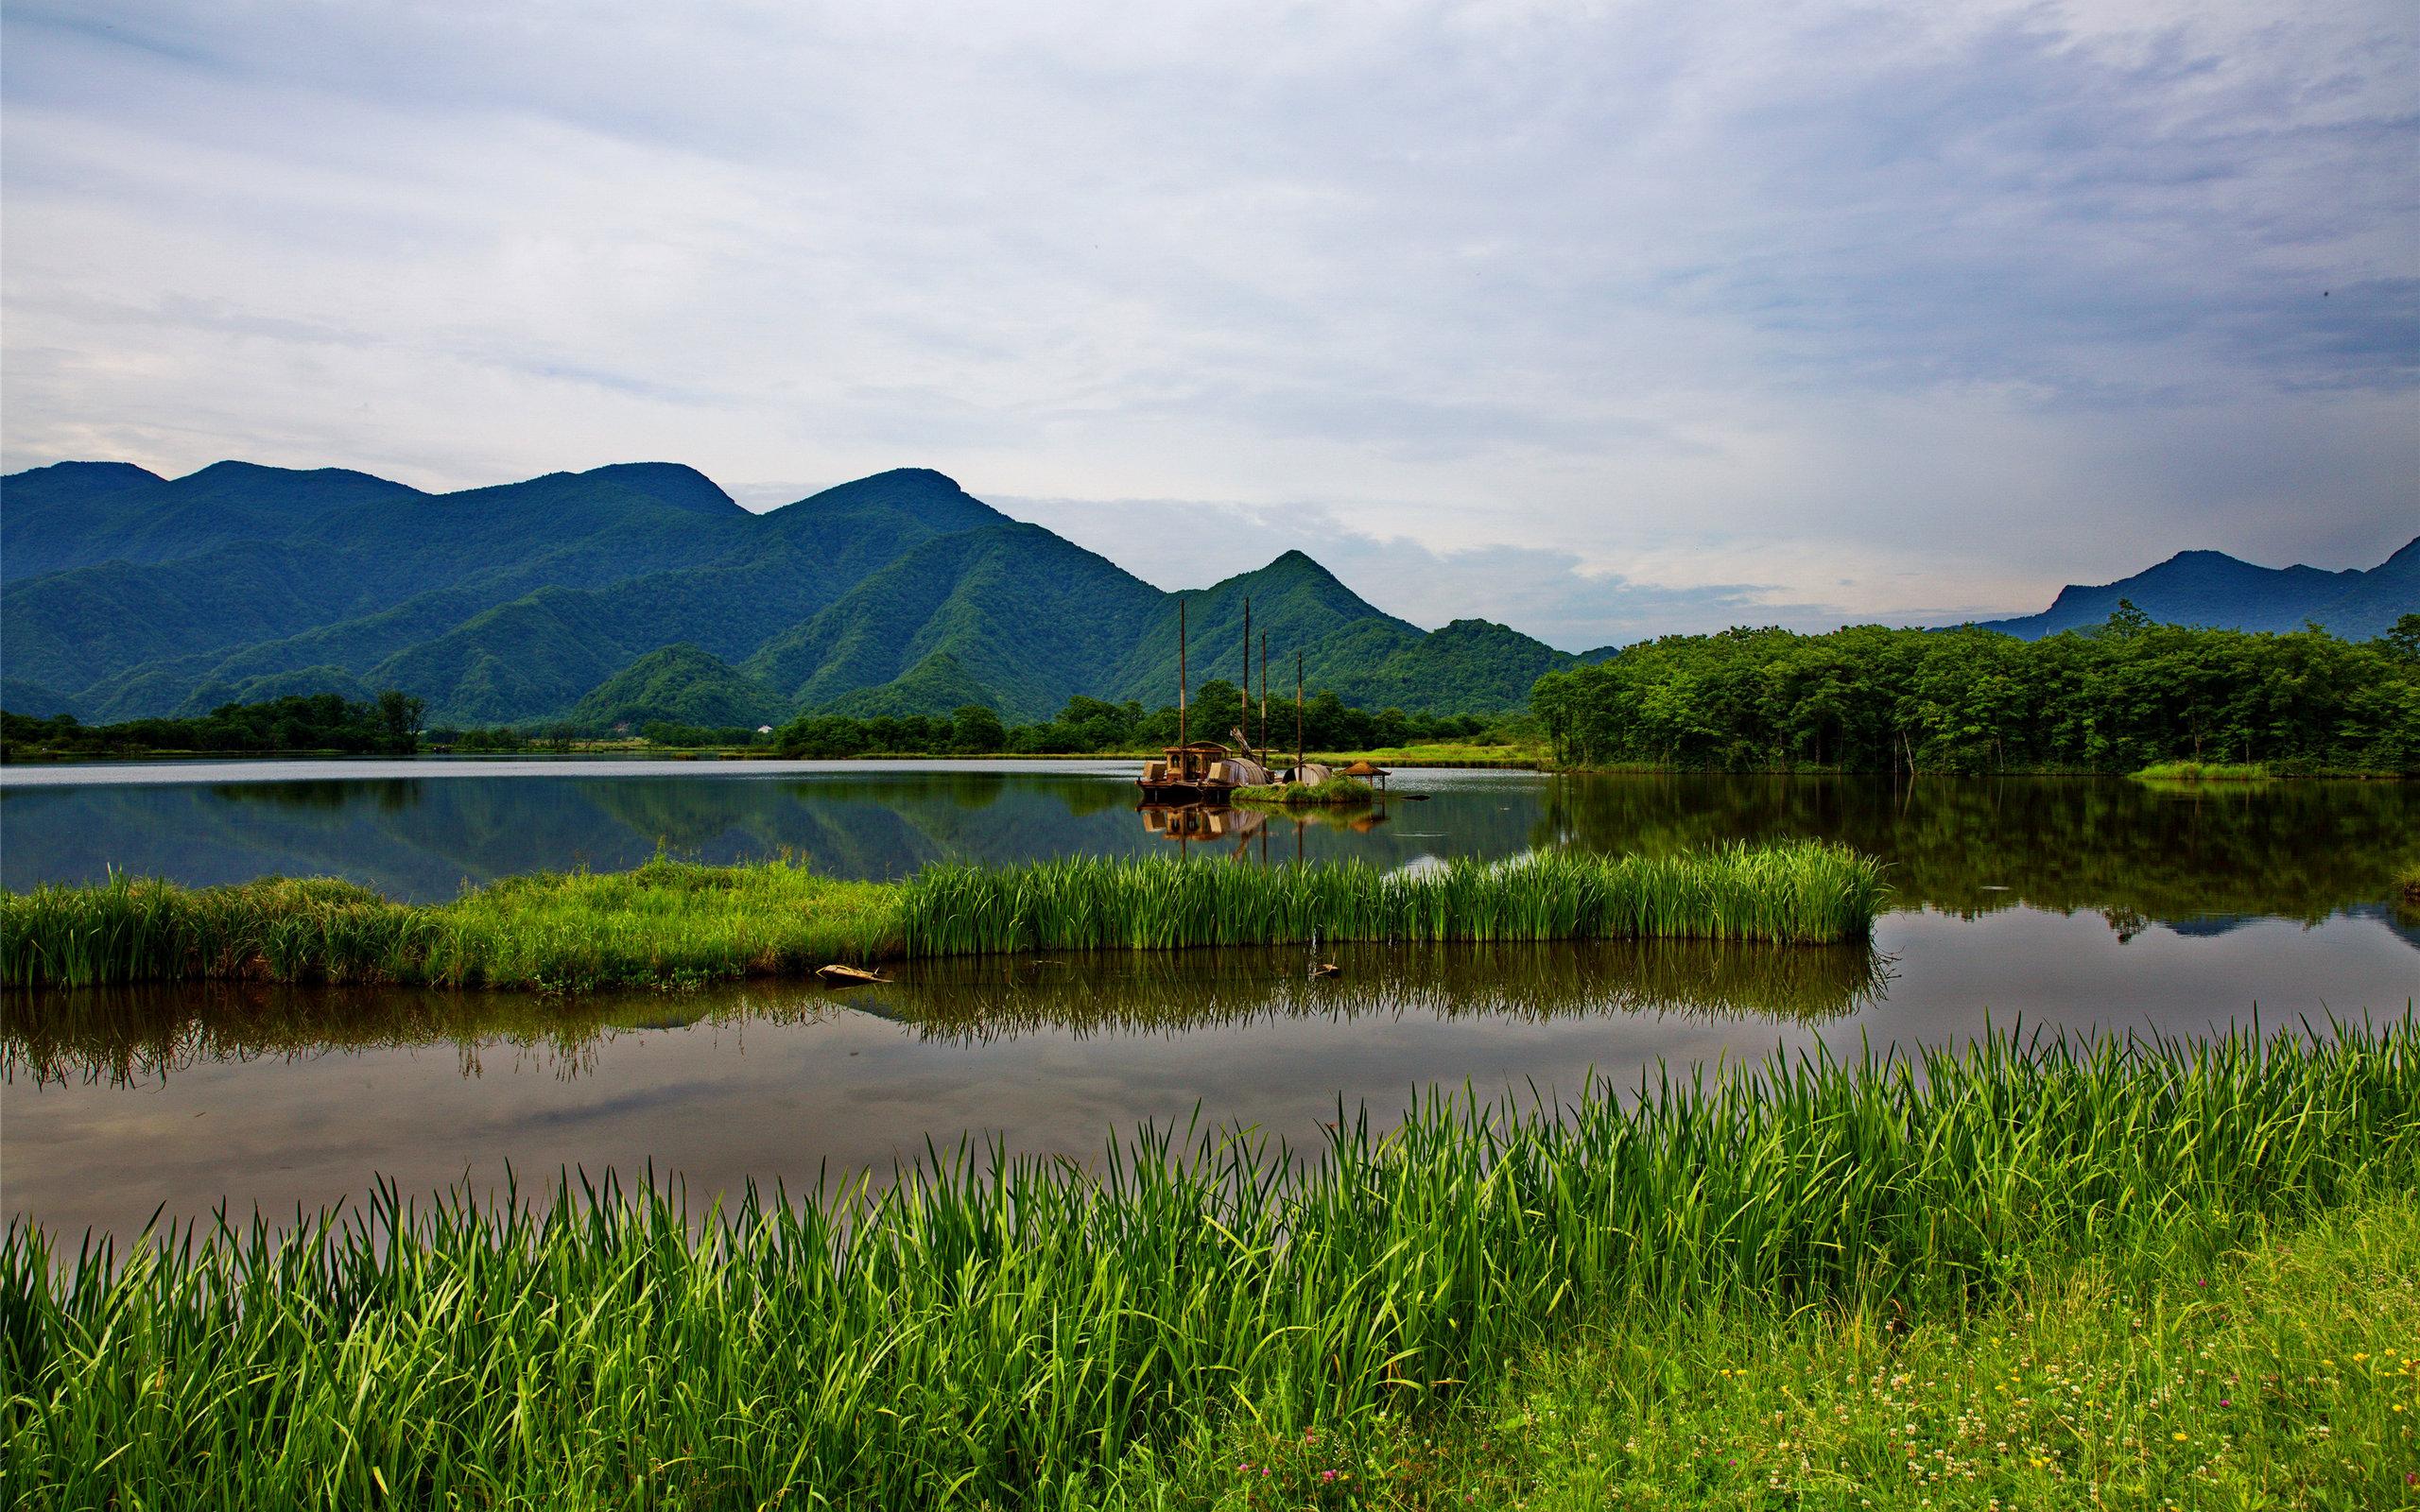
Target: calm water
point(2059, 904)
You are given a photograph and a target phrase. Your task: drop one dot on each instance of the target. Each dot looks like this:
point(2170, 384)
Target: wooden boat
point(1201, 771)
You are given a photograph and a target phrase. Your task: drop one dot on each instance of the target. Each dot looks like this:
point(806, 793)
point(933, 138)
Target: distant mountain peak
point(2212, 588)
point(231, 471)
point(919, 493)
point(673, 483)
point(95, 475)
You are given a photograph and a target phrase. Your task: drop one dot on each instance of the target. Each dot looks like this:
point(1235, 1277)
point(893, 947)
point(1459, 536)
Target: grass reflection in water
point(130, 1035)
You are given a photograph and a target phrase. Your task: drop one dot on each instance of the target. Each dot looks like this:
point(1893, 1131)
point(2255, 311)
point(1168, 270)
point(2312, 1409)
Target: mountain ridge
point(2205, 586)
point(591, 596)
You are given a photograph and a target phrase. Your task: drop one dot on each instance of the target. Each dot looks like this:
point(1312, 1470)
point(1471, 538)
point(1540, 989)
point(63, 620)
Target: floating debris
point(837, 974)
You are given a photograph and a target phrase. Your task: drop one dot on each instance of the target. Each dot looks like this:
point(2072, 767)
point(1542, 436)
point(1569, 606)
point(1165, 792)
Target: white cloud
point(1580, 319)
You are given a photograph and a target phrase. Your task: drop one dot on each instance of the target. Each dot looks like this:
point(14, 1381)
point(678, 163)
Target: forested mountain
point(2210, 588)
point(643, 592)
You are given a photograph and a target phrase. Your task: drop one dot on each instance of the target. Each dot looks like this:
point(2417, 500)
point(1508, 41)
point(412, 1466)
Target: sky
point(1599, 320)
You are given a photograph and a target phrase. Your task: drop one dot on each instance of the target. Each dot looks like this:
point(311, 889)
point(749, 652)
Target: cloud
point(1621, 317)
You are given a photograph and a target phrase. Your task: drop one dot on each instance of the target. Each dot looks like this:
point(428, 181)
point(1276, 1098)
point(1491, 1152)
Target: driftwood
point(838, 975)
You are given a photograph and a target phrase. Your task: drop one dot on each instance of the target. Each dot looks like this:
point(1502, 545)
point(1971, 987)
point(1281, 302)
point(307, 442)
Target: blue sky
point(1601, 320)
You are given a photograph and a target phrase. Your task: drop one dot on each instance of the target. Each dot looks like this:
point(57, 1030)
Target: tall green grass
point(664, 924)
point(2204, 772)
point(1801, 892)
point(990, 1331)
point(1338, 789)
point(671, 923)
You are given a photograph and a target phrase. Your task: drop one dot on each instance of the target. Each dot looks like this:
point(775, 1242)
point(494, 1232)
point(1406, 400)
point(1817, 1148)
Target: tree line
point(1215, 711)
point(2114, 698)
point(387, 726)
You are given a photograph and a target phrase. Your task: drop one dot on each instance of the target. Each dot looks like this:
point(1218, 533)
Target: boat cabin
point(1201, 771)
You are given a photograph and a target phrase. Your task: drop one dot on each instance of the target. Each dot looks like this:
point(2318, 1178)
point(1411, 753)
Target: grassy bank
point(992, 1332)
point(2204, 772)
point(2281, 1373)
point(672, 923)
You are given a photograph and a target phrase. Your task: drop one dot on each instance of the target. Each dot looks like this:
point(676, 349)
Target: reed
point(670, 923)
point(988, 1330)
point(663, 924)
point(2204, 772)
point(1334, 792)
point(1802, 892)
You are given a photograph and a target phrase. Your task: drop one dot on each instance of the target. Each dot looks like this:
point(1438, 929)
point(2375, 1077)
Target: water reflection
point(2209, 856)
point(2203, 857)
point(266, 1097)
point(132, 1036)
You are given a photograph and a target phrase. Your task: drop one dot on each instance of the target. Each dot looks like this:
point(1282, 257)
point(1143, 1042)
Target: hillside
point(2212, 589)
point(680, 685)
point(640, 592)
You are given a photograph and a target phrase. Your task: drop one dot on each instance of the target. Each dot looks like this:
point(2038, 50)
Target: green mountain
point(641, 592)
point(681, 685)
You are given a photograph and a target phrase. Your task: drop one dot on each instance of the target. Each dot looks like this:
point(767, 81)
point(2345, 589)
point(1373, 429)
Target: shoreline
point(1486, 1298)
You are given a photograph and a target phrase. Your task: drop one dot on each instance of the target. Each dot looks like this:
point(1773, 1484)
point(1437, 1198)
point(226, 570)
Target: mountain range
point(643, 592)
point(639, 592)
point(2212, 588)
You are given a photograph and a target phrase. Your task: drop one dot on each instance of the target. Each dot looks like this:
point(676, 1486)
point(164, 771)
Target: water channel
point(2056, 904)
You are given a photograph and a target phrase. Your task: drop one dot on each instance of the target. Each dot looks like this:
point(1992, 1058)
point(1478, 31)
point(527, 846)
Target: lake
point(2057, 903)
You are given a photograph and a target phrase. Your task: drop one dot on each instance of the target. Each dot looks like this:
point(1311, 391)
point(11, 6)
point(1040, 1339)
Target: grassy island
point(2025, 1273)
point(2204, 772)
point(1336, 791)
point(674, 923)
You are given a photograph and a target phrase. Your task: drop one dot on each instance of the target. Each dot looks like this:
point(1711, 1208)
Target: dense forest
point(387, 726)
point(1215, 712)
point(2114, 698)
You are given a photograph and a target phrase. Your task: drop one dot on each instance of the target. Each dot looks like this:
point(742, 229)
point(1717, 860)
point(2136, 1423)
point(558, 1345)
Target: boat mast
point(1243, 711)
point(1298, 716)
point(1180, 672)
point(1264, 687)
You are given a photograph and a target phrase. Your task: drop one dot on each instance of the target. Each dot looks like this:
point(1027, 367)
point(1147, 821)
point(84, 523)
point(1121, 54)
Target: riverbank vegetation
point(1336, 790)
point(2204, 772)
point(672, 923)
point(1095, 725)
point(1786, 1285)
point(306, 724)
point(2113, 699)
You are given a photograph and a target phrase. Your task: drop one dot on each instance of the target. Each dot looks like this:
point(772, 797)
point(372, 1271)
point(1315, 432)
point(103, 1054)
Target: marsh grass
point(1337, 791)
point(664, 924)
point(2282, 1373)
point(2204, 772)
point(1800, 892)
point(671, 923)
point(1005, 1331)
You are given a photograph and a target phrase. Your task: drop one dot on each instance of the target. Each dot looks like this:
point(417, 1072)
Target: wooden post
point(1264, 688)
point(1298, 716)
point(1179, 679)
